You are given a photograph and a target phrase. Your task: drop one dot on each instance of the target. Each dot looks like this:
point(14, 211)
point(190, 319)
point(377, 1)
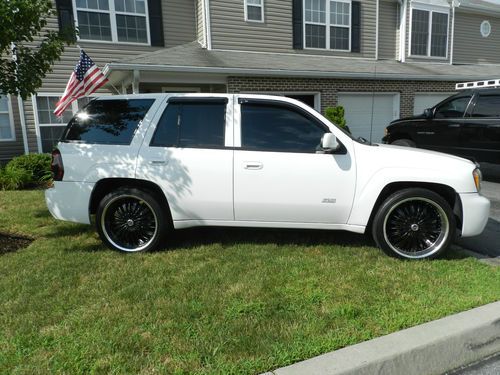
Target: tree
point(36, 48)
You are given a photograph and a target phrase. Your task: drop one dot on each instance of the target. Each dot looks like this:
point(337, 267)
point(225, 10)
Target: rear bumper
point(476, 210)
point(69, 201)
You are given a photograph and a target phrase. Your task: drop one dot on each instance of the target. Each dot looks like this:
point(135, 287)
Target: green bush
point(336, 116)
point(26, 171)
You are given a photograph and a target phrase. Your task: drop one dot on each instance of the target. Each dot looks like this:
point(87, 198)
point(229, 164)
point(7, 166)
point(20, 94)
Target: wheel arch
point(106, 185)
point(447, 192)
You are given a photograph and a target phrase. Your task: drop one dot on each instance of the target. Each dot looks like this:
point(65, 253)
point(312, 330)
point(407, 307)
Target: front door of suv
point(278, 175)
point(188, 154)
point(481, 131)
point(441, 132)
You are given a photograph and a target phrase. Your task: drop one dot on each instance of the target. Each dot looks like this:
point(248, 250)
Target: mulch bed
point(10, 243)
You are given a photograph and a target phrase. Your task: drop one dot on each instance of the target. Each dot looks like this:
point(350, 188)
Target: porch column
point(135, 82)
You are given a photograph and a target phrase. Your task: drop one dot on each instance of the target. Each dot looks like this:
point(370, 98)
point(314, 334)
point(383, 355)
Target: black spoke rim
point(416, 227)
point(129, 223)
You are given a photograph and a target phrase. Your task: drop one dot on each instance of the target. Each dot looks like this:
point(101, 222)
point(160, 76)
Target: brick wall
point(329, 88)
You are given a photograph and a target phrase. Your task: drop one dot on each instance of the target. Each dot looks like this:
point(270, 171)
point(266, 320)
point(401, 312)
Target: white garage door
point(427, 100)
point(368, 114)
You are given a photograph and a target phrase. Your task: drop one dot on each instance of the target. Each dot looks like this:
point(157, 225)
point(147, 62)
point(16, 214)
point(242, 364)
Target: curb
point(431, 348)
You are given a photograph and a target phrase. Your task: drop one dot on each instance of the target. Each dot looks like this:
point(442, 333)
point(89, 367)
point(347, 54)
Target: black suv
point(466, 124)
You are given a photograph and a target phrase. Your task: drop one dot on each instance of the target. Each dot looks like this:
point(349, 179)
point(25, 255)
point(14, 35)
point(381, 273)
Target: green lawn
point(217, 301)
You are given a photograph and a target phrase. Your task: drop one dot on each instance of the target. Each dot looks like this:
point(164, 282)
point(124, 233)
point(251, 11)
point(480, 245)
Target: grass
point(217, 301)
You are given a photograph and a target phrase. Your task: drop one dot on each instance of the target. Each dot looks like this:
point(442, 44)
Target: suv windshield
point(107, 121)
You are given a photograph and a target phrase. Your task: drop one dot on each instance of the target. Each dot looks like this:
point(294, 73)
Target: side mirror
point(329, 142)
point(428, 113)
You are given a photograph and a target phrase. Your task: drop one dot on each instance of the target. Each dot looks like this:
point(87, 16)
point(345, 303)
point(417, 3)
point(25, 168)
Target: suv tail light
point(56, 166)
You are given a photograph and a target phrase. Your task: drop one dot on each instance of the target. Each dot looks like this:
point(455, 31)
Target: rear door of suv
point(480, 136)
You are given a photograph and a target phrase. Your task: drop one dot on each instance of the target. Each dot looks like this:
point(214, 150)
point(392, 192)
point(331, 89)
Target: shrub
point(26, 171)
point(336, 116)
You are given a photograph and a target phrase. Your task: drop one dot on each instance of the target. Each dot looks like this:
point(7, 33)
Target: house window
point(429, 33)
point(254, 10)
point(328, 24)
point(6, 125)
point(113, 20)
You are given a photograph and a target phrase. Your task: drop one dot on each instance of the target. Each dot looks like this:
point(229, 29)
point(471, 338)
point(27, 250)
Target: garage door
point(427, 100)
point(368, 114)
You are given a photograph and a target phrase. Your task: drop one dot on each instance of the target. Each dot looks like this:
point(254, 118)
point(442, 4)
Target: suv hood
point(416, 117)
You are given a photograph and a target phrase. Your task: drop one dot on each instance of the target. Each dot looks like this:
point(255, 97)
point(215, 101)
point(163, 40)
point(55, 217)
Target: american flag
point(84, 80)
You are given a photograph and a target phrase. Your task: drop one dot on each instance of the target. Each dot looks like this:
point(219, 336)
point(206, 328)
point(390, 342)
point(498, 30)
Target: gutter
point(377, 29)
point(453, 5)
point(208, 28)
point(286, 73)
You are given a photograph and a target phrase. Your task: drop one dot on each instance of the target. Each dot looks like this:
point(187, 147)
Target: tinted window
point(277, 128)
point(453, 108)
point(199, 124)
point(487, 106)
point(107, 121)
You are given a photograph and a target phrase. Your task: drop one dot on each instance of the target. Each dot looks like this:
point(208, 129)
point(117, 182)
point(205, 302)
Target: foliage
point(24, 23)
point(219, 301)
point(336, 116)
point(26, 171)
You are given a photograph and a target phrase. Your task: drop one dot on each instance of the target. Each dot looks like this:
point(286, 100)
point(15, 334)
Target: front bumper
point(69, 201)
point(475, 212)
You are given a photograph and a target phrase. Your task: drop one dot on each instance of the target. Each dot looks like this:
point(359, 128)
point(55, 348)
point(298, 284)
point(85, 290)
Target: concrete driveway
point(488, 243)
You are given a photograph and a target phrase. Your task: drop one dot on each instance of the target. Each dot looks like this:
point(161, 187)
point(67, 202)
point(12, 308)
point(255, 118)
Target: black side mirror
point(428, 113)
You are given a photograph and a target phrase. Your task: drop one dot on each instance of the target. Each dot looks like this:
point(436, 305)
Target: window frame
point(112, 20)
point(11, 120)
point(327, 25)
point(261, 6)
point(431, 10)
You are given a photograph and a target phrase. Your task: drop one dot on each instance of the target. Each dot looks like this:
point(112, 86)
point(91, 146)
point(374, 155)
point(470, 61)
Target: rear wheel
point(414, 224)
point(404, 142)
point(131, 220)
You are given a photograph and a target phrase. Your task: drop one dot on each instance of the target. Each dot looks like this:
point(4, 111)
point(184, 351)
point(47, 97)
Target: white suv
point(146, 164)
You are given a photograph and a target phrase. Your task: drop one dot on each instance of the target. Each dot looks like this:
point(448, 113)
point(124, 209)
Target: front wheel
point(414, 224)
point(131, 220)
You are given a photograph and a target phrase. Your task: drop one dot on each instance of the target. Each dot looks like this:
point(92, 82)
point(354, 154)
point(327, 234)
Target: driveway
point(488, 243)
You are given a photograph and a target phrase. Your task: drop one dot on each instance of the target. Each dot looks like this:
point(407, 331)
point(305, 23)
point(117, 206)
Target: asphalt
point(436, 347)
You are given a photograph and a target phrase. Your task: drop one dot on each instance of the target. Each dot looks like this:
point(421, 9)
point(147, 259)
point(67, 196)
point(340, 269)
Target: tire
point(414, 223)
point(132, 220)
point(404, 142)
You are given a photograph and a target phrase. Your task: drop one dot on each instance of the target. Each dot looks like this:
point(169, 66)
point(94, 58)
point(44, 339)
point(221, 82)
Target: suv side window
point(487, 106)
point(107, 121)
point(195, 124)
point(275, 127)
point(454, 108)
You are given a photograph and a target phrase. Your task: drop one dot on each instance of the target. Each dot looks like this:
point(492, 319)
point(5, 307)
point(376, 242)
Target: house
point(380, 59)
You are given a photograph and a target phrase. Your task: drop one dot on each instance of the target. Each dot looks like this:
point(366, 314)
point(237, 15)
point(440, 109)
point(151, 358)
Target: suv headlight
point(478, 177)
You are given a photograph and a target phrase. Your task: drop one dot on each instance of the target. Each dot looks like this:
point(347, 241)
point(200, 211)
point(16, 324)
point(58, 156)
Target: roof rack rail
point(478, 84)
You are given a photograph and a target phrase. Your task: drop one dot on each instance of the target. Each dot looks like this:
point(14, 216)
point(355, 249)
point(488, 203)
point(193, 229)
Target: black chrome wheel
point(414, 224)
point(130, 220)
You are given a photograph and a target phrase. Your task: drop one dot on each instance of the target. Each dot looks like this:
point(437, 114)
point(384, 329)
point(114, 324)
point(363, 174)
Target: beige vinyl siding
point(179, 21)
point(427, 59)
point(200, 22)
point(9, 149)
point(231, 32)
point(388, 31)
point(470, 46)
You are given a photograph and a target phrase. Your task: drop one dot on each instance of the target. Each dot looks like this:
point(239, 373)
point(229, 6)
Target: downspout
point(208, 29)
point(453, 5)
point(402, 41)
point(22, 117)
point(377, 29)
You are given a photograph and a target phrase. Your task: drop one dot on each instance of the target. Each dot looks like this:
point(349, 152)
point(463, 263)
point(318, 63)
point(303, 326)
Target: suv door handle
point(453, 125)
point(253, 165)
point(157, 162)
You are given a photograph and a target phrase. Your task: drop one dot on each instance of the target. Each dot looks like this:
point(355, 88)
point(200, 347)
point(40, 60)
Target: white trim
point(261, 6)
point(377, 16)
point(208, 25)
point(402, 34)
point(431, 9)
point(11, 120)
point(316, 94)
point(22, 117)
point(327, 26)
point(112, 19)
point(452, 31)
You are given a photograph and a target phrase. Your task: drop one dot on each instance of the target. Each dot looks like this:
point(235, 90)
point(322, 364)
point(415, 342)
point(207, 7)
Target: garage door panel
point(367, 115)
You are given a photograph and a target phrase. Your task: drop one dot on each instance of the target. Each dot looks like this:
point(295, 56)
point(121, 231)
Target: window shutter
point(298, 38)
point(156, 23)
point(356, 27)
point(65, 14)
